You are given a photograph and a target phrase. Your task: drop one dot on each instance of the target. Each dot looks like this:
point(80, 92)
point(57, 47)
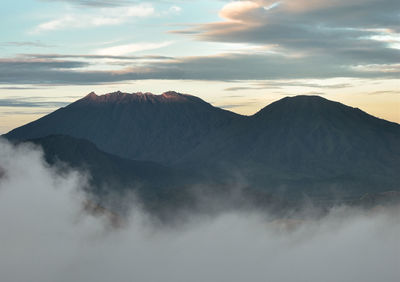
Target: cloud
point(21, 112)
point(354, 32)
point(385, 92)
point(280, 84)
point(175, 9)
point(46, 236)
point(19, 88)
point(125, 49)
point(234, 106)
point(115, 3)
point(90, 56)
point(101, 17)
point(241, 11)
point(30, 102)
point(332, 13)
point(25, 44)
point(21, 64)
point(296, 40)
point(96, 3)
point(224, 67)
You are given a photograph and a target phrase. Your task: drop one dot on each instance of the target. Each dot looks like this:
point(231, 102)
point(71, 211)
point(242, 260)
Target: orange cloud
point(238, 10)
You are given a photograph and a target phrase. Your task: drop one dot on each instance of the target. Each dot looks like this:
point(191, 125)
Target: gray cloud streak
point(86, 56)
point(26, 44)
point(30, 103)
point(106, 3)
point(225, 67)
point(280, 84)
point(95, 3)
point(19, 88)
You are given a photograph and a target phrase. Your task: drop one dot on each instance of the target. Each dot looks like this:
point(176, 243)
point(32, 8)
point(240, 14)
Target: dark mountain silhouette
point(141, 126)
point(308, 142)
point(157, 188)
point(113, 176)
point(297, 145)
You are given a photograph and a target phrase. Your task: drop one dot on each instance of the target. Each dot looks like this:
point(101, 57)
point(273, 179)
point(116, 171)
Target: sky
point(238, 55)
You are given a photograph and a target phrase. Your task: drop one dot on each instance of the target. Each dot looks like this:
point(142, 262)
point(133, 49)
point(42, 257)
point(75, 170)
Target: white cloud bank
point(45, 237)
point(126, 49)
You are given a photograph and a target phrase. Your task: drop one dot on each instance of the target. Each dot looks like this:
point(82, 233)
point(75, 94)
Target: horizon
point(227, 109)
point(237, 55)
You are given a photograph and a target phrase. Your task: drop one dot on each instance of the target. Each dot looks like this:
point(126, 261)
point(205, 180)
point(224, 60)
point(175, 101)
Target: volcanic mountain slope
point(157, 188)
point(142, 126)
point(112, 176)
point(302, 144)
point(308, 142)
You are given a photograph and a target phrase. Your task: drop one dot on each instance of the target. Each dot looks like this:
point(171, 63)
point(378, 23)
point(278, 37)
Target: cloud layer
point(343, 35)
point(32, 70)
point(292, 39)
point(46, 236)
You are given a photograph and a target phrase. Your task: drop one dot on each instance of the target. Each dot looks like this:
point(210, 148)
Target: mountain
point(114, 176)
point(303, 145)
point(308, 142)
point(141, 126)
point(114, 181)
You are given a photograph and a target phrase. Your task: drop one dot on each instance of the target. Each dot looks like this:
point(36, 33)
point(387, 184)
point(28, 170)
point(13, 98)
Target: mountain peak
point(91, 95)
point(172, 94)
point(307, 105)
point(122, 97)
point(304, 100)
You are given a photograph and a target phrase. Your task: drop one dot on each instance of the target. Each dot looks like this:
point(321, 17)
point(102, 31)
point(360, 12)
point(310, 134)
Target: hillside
point(303, 145)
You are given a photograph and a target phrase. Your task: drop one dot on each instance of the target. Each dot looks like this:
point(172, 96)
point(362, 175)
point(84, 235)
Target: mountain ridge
point(112, 177)
point(118, 96)
point(132, 115)
point(296, 144)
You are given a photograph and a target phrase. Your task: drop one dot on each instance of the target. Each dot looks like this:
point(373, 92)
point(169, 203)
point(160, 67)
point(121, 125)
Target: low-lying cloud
point(46, 236)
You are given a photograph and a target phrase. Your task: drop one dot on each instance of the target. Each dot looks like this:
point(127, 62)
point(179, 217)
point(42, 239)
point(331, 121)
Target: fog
point(46, 235)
